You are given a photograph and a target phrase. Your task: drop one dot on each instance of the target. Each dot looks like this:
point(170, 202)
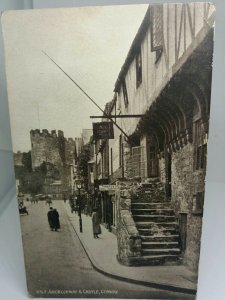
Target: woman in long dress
point(96, 224)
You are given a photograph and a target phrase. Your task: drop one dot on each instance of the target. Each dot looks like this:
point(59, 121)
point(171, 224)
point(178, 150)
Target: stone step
point(160, 238)
point(153, 205)
point(150, 192)
point(153, 225)
point(173, 251)
point(153, 260)
point(160, 245)
point(150, 186)
point(154, 233)
point(150, 179)
point(150, 211)
point(155, 218)
point(149, 200)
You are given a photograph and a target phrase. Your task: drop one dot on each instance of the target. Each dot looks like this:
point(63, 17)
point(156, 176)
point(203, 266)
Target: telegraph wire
point(92, 100)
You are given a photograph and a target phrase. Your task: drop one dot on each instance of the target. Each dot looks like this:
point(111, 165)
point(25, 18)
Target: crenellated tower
point(53, 148)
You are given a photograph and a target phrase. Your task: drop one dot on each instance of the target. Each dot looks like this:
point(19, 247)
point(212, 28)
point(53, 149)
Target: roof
point(134, 48)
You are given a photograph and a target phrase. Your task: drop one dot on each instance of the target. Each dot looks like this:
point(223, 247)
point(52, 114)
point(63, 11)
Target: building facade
point(162, 102)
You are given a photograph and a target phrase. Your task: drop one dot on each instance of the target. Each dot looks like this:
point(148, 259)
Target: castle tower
point(53, 148)
point(44, 148)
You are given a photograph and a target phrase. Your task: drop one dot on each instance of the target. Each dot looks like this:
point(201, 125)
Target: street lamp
point(79, 186)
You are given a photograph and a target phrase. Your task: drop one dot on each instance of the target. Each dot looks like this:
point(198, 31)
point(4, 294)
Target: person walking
point(50, 218)
point(55, 219)
point(96, 224)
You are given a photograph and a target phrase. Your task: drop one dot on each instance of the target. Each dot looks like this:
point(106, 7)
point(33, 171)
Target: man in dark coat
point(49, 215)
point(55, 219)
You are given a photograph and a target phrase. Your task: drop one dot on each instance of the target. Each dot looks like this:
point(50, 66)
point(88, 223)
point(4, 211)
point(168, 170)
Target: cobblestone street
point(58, 266)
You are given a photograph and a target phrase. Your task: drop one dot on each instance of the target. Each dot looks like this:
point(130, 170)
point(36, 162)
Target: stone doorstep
point(153, 209)
point(159, 238)
point(152, 217)
point(175, 224)
point(155, 251)
point(151, 204)
point(163, 244)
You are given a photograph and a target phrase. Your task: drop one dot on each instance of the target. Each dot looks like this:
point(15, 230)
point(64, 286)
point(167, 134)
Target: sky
point(89, 43)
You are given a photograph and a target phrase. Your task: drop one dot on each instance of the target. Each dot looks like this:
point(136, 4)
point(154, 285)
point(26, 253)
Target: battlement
point(69, 141)
point(18, 158)
point(46, 133)
point(18, 152)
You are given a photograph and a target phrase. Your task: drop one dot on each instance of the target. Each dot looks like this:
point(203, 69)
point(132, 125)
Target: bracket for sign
point(116, 116)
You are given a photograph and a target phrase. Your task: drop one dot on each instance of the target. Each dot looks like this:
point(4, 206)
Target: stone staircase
point(157, 225)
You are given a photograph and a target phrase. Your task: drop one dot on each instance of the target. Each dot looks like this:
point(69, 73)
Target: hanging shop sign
point(107, 187)
point(103, 130)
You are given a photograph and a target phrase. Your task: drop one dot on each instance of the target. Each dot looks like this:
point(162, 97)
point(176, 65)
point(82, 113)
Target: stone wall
point(18, 159)
point(182, 178)
point(194, 231)
point(162, 170)
point(186, 182)
point(128, 239)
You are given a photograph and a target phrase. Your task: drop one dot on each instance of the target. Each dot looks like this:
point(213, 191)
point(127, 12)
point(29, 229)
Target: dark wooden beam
point(116, 116)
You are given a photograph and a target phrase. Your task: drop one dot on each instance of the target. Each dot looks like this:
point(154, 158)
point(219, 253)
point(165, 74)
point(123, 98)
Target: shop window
point(138, 69)
point(125, 96)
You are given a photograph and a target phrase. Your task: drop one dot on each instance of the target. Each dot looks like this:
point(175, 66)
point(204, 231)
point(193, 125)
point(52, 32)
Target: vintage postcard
point(109, 110)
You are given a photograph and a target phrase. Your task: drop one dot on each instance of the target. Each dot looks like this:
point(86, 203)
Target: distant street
point(57, 265)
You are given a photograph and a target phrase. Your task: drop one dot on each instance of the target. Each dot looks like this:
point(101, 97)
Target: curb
point(130, 280)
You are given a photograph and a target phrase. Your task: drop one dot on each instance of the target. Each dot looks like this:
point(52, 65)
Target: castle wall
point(18, 159)
point(53, 148)
point(45, 148)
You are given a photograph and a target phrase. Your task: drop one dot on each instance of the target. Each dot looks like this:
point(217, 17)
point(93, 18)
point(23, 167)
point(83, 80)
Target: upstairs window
point(138, 68)
point(157, 30)
point(125, 96)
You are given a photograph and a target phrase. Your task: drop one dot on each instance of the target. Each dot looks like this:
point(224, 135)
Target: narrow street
point(57, 265)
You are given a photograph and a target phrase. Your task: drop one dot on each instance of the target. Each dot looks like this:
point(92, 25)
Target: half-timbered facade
point(166, 78)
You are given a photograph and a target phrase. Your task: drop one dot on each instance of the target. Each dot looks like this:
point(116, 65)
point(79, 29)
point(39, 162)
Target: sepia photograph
point(109, 112)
